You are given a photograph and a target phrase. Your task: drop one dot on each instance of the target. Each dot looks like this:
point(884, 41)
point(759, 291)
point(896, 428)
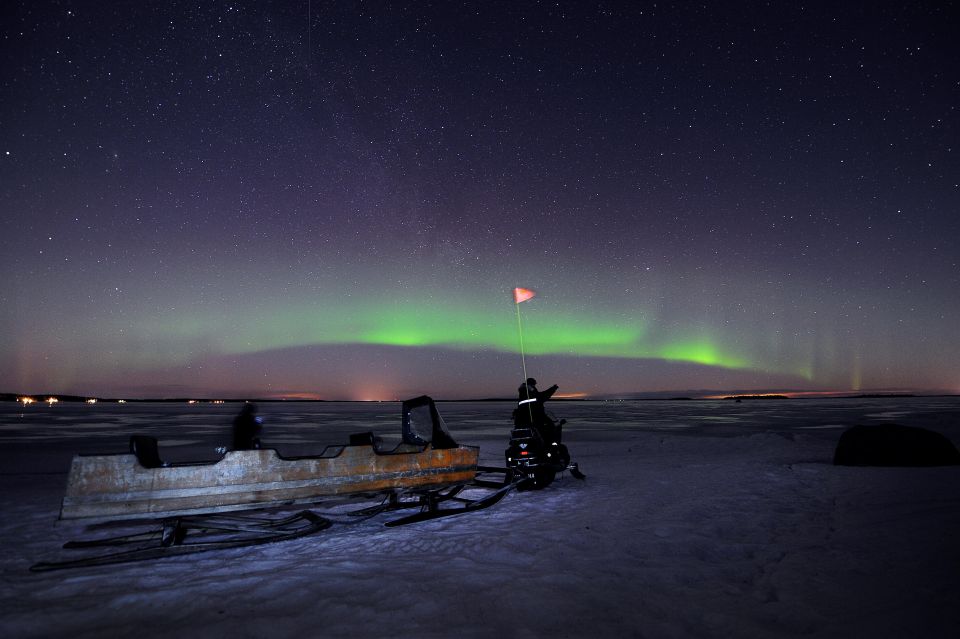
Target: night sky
point(336, 199)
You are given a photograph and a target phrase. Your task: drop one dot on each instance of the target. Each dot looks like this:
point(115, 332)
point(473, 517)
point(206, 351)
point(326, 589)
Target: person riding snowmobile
point(530, 410)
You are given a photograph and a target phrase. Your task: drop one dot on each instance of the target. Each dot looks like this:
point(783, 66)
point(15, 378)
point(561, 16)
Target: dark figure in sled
point(246, 428)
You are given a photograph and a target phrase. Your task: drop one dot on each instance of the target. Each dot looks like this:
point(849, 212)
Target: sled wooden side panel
point(117, 486)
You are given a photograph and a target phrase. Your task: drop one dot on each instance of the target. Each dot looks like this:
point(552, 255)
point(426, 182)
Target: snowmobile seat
point(524, 433)
point(146, 450)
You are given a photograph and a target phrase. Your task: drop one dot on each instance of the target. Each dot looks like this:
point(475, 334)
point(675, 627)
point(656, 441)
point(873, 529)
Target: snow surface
point(698, 519)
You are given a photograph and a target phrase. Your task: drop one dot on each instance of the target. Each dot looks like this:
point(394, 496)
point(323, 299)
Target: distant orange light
point(52, 400)
point(524, 452)
point(91, 401)
point(27, 400)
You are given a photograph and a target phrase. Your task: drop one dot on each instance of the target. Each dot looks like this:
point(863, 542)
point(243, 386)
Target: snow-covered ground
point(698, 519)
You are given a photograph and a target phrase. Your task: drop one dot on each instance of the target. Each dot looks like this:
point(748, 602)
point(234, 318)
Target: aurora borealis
point(335, 200)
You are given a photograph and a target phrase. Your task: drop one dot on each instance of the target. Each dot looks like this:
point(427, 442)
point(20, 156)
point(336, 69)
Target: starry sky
point(335, 199)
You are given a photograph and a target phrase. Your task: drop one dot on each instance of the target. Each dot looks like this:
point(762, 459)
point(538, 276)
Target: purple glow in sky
point(336, 200)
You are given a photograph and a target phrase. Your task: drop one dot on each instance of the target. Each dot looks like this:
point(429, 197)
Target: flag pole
point(523, 358)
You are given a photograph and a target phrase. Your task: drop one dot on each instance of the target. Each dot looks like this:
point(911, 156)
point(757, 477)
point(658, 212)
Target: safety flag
point(522, 295)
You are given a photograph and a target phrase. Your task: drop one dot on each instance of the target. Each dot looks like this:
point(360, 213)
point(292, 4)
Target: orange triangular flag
point(522, 295)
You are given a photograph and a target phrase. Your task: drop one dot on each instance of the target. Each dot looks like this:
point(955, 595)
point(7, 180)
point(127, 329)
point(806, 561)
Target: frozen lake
point(43, 438)
point(698, 519)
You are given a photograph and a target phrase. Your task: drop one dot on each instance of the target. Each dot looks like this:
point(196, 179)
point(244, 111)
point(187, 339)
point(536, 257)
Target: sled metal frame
point(434, 504)
point(176, 536)
point(191, 534)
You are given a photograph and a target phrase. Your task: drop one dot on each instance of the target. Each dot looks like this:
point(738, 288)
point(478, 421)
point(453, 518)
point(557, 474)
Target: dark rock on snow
point(894, 445)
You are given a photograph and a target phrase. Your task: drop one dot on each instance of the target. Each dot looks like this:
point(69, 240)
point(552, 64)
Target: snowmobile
point(536, 450)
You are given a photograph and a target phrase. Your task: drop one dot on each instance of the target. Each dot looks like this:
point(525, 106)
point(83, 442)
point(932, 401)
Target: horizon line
point(688, 395)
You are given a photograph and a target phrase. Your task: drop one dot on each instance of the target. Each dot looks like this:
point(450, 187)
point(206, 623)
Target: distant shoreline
point(43, 398)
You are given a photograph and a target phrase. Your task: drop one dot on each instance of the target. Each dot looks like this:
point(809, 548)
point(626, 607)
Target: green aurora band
point(442, 324)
